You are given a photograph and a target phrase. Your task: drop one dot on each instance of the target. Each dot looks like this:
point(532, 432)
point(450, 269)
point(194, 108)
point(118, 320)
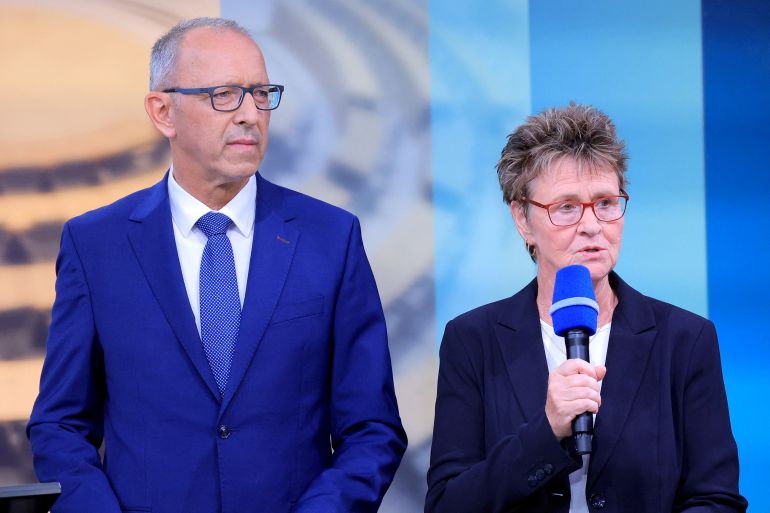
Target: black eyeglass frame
point(583, 206)
point(244, 90)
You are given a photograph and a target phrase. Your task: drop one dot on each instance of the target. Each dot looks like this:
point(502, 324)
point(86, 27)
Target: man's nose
point(247, 113)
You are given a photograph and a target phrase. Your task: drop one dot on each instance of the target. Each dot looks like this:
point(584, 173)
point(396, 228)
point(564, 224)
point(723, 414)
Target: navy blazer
point(662, 439)
point(308, 422)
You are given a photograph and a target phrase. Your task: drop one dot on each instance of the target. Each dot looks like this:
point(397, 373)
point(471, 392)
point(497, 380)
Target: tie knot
point(213, 223)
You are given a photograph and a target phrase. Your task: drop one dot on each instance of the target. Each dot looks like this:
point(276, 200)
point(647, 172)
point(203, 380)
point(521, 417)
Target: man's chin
point(241, 170)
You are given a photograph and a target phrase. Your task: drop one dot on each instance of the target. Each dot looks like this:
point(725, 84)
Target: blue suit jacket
point(309, 421)
point(662, 439)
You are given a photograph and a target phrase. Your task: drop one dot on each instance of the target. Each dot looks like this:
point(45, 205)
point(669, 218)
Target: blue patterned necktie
point(220, 303)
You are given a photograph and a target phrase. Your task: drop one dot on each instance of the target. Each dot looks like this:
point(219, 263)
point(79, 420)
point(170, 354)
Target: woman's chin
point(598, 270)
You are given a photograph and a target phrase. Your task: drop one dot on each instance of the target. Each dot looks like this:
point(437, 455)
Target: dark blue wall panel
point(736, 65)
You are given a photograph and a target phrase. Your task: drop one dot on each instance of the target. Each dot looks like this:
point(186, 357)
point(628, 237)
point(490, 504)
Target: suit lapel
point(521, 344)
point(631, 340)
point(151, 235)
point(272, 251)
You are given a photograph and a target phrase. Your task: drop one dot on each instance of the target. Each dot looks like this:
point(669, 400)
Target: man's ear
point(158, 107)
point(519, 215)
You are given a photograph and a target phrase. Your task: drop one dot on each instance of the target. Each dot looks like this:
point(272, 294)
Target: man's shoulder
point(117, 211)
point(306, 208)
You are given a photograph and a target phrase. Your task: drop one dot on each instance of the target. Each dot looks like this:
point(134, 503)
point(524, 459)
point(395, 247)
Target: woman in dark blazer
point(507, 394)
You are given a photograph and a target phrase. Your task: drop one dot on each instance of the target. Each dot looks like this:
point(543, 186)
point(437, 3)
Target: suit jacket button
point(223, 432)
point(533, 481)
point(598, 501)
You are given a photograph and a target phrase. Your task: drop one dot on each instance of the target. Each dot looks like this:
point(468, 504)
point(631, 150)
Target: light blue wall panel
point(479, 63)
point(640, 62)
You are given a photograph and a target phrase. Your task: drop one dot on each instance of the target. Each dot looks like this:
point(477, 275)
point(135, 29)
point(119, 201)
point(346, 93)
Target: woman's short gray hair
point(579, 132)
point(164, 51)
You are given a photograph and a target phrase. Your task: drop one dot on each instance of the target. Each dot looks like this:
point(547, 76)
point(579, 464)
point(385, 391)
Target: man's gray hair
point(578, 132)
point(164, 51)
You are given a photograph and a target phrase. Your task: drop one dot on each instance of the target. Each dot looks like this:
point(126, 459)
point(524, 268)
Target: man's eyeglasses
point(568, 213)
point(228, 98)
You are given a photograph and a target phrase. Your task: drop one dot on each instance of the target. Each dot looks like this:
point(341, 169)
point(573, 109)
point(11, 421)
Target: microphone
point(575, 313)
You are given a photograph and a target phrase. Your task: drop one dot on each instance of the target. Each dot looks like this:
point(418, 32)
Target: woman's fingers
point(573, 388)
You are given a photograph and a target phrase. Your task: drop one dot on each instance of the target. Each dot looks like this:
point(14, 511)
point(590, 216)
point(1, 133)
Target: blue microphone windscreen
point(574, 302)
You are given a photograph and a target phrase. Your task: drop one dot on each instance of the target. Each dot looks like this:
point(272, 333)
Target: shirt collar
point(186, 209)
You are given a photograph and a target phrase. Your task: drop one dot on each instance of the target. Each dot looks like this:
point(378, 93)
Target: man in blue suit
point(222, 335)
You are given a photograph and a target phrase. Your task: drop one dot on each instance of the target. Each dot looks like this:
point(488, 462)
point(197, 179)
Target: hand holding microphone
point(573, 387)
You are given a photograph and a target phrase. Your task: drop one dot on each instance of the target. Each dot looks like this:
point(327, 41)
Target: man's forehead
point(208, 38)
point(222, 56)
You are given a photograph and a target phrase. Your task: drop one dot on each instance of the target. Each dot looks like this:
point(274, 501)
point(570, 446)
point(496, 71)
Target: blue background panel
point(639, 62)
point(736, 62)
point(398, 111)
point(699, 165)
point(479, 64)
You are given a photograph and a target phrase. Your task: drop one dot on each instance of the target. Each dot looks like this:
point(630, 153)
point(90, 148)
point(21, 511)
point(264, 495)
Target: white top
point(555, 355)
point(190, 240)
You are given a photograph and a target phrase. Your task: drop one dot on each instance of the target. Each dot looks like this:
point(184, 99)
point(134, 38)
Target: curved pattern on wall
point(74, 137)
point(353, 129)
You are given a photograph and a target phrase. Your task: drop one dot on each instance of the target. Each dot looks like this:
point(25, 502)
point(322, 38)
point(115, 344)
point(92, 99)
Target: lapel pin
point(281, 239)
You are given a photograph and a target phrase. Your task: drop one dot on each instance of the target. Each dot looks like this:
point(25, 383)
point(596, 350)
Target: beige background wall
point(74, 136)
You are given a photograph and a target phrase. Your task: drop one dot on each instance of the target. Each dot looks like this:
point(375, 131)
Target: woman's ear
point(158, 107)
point(519, 215)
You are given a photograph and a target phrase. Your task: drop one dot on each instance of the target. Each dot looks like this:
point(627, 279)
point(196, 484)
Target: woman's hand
point(573, 388)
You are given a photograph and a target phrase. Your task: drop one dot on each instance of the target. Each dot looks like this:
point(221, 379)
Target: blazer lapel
point(521, 344)
point(272, 251)
point(151, 235)
point(631, 340)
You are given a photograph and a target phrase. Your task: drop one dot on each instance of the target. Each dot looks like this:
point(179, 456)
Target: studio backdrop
point(397, 111)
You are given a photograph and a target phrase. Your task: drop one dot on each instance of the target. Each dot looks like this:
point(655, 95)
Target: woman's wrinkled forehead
point(567, 168)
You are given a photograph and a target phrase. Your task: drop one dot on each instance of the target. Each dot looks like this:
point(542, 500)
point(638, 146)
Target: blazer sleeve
point(66, 426)
point(366, 432)
point(710, 456)
point(467, 474)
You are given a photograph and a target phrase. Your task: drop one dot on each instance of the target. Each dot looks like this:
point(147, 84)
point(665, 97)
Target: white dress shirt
point(190, 240)
point(555, 355)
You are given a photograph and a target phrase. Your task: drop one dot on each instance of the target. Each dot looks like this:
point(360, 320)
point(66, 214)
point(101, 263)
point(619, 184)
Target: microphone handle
point(583, 424)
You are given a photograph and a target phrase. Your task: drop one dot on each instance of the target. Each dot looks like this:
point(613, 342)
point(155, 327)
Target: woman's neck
point(605, 297)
